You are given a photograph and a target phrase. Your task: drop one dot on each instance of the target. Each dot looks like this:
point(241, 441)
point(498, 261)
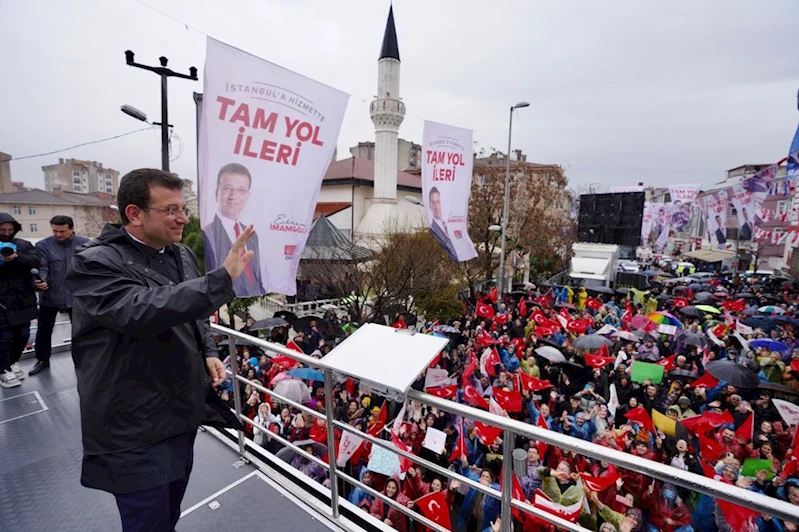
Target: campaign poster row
point(266, 138)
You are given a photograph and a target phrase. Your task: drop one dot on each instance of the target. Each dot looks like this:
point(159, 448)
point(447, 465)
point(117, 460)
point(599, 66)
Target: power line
point(79, 145)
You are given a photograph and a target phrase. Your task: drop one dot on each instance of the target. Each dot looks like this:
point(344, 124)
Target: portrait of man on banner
point(438, 226)
point(232, 194)
point(745, 205)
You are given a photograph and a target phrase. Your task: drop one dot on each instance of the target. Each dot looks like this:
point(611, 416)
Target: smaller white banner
point(435, 440)
point(346, 448)
point(788, 411)
point(671, 330)
point(436, 377)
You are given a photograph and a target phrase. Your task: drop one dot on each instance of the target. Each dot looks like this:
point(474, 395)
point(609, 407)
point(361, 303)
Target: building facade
point(409, 154)
point(80, 177)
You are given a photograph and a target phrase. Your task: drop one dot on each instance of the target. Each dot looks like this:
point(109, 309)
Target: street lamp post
point(164, 73)
point(506, 203)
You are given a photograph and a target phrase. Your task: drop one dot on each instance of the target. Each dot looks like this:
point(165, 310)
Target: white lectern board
point(388, 359)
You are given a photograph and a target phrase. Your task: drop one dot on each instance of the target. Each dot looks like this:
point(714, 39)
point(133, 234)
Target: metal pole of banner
point(331, 443)
point(164, 124)
point(234, 367)
point(507, 478)
point(502, 288)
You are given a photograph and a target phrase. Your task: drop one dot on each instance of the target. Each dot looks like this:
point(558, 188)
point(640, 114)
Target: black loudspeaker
point(611, 218)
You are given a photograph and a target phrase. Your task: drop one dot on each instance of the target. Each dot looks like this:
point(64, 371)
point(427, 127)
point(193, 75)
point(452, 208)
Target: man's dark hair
point(134, 188)
point(62, 220)
point(233, 168)
point(433, 190)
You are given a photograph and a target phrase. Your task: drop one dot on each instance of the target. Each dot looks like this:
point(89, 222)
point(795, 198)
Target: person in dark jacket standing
point(17, 298)
point(143, 351)
point(56, 254)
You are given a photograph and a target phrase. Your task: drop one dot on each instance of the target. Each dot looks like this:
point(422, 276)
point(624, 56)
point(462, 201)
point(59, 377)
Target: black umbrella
point(776, 387)
point(750, 312)
point(703, 296)
point(663, 297)
point(565, 305)
point(732, 373)
point(547, 341)
point(591, 342)
point(648, 356)
point(744, 295)
point(268, 323)
point(602, 290)
point(286, 315)
point(695, 286)
point(692, 338)
point(691, 311)
point(644, 336)
point(623, 290)
point(682, 373)
point(517, 293)
point(303, 323)
point(655, 284)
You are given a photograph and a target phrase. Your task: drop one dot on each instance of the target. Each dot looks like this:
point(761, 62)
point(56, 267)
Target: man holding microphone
point(144, 356)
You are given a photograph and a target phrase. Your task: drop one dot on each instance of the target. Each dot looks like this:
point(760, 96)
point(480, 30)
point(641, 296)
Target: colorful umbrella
point(640, 322)
point(664, 318)
point(771, 309)
point(307, 374)
point(771, 345)
point(708, 308)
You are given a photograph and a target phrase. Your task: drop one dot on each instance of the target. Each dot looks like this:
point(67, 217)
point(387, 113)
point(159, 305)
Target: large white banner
point(715, 211)
point(446, 185)
point(266, 138)
point(646, 222)
point(745, 206)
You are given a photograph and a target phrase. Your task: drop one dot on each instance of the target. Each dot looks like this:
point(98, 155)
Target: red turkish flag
point(542, 446)
point(552, 324)
point(707, 380)
point(719, 330)
point(542, 331)
point(680, 302)
point(488, 361)
point(405, 463)
point(502, 319)
point(600, 484)
point(538, 317)
point(734, 306)
point(399, 324)
point(380, 423)
point(522, 307)
point(597, 361)
point(472, 397)
point(667, 363)
point(518, 347)
point(709, 420)
point(795, 365)
point(542, 301)
point(492, 295)
point(471, 365)
point(460, 446)
point(577, 326)
point(569, 513)
point(294, 347)
point(484, 339)
point(285, 361)
point(565, 314)
point(746, 432)
point(485, 311)
point(593, 304)
point(487, 433)
point(627, 316)
point(445, 392)
point(603, 351)
point(434, 506)
point(517, 493)
point(710, 449)
point(531, 384)
point(639, 415)
point(510, 401)
point(738, 517)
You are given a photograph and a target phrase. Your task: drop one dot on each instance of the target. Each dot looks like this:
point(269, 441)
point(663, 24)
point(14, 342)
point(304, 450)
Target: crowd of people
point(695, 374)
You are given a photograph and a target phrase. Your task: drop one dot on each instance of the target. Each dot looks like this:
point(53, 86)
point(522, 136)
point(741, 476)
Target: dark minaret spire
point(390, 48)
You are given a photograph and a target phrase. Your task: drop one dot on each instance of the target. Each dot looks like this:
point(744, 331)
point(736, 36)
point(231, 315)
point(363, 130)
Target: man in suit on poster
point(233, 186)
point(747, 227)
point(439, 227)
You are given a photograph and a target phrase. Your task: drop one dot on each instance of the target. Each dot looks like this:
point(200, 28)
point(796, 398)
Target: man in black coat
point(439, 226)
point(233, 184)
point(17, 298)
point(143, 351)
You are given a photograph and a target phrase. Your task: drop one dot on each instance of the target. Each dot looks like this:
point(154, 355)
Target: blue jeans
point(13, 340)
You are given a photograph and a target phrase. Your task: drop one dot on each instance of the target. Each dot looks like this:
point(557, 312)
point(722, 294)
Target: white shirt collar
point(143, 243)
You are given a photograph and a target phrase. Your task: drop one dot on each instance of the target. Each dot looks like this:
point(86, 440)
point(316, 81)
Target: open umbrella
point(682, 373)
point(692, 338)
point(448, 329)
point(750, 312)
point(732, 373)
point(663, 297)
point(307, 374)
point(294, 390)
point(744, 295)
point(648, 356)
point(286, 315)
point(681, 289)
point(771, 309)
point(591, 342)
point(645, 336)
point(691, 311)
point(785, 319)
point(602, 290)
point(640, 322)
point(551, 354)
point(268, 323)
point(623, 290)
point(708, 309)
point(287, 454)
point(625, 335)
point(703, 296)
point(777, 387)
point(771, 345)
point(305, 322)
point(349, 327)
point(664, 318)
point(549, 342)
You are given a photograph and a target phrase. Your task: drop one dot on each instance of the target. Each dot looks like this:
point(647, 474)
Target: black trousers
point(153, 510)
point(44, 332)
point(13, 340)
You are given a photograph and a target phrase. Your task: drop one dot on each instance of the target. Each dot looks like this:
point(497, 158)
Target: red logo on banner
point(288, 250)
point(458, 233)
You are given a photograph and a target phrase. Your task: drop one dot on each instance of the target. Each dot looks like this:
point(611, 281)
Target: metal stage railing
point(510, 427)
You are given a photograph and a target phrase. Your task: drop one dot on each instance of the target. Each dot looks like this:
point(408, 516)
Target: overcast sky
point(662, 91)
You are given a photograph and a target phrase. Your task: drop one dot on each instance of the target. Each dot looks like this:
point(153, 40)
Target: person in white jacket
point(264, 417)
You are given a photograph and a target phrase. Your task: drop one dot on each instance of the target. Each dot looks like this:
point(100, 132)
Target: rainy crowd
point(700, 374)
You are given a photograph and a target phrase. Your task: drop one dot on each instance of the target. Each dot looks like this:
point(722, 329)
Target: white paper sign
point(383, 461)
point(347, 446)
point(436, 377)
point(435, 440)
point(788, 411)
point(671, 330)
point(266, 139)
point(446, 184)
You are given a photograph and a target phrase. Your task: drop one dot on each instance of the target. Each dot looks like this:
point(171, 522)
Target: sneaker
point(18, 371)
point(9, 380)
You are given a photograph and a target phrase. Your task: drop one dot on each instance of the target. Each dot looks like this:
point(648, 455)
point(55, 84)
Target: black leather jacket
point(139, 342)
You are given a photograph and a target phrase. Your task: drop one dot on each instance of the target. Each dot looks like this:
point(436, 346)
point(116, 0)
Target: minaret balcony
point(390, 106)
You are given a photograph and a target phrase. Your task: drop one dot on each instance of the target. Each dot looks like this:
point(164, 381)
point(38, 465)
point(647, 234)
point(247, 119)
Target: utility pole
point(165, 73)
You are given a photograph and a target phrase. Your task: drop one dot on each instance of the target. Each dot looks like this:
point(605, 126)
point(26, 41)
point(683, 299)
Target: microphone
point(35, 274)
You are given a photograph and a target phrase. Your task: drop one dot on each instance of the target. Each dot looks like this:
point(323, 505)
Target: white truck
point(594, 264)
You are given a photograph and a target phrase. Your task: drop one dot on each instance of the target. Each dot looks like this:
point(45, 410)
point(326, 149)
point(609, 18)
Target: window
point(75, 173)
point(481, 179)
point(77, 188)
point(17, 209)
point(34, 228)
point(31, 209)
point(109, 190)
point(77, 180)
